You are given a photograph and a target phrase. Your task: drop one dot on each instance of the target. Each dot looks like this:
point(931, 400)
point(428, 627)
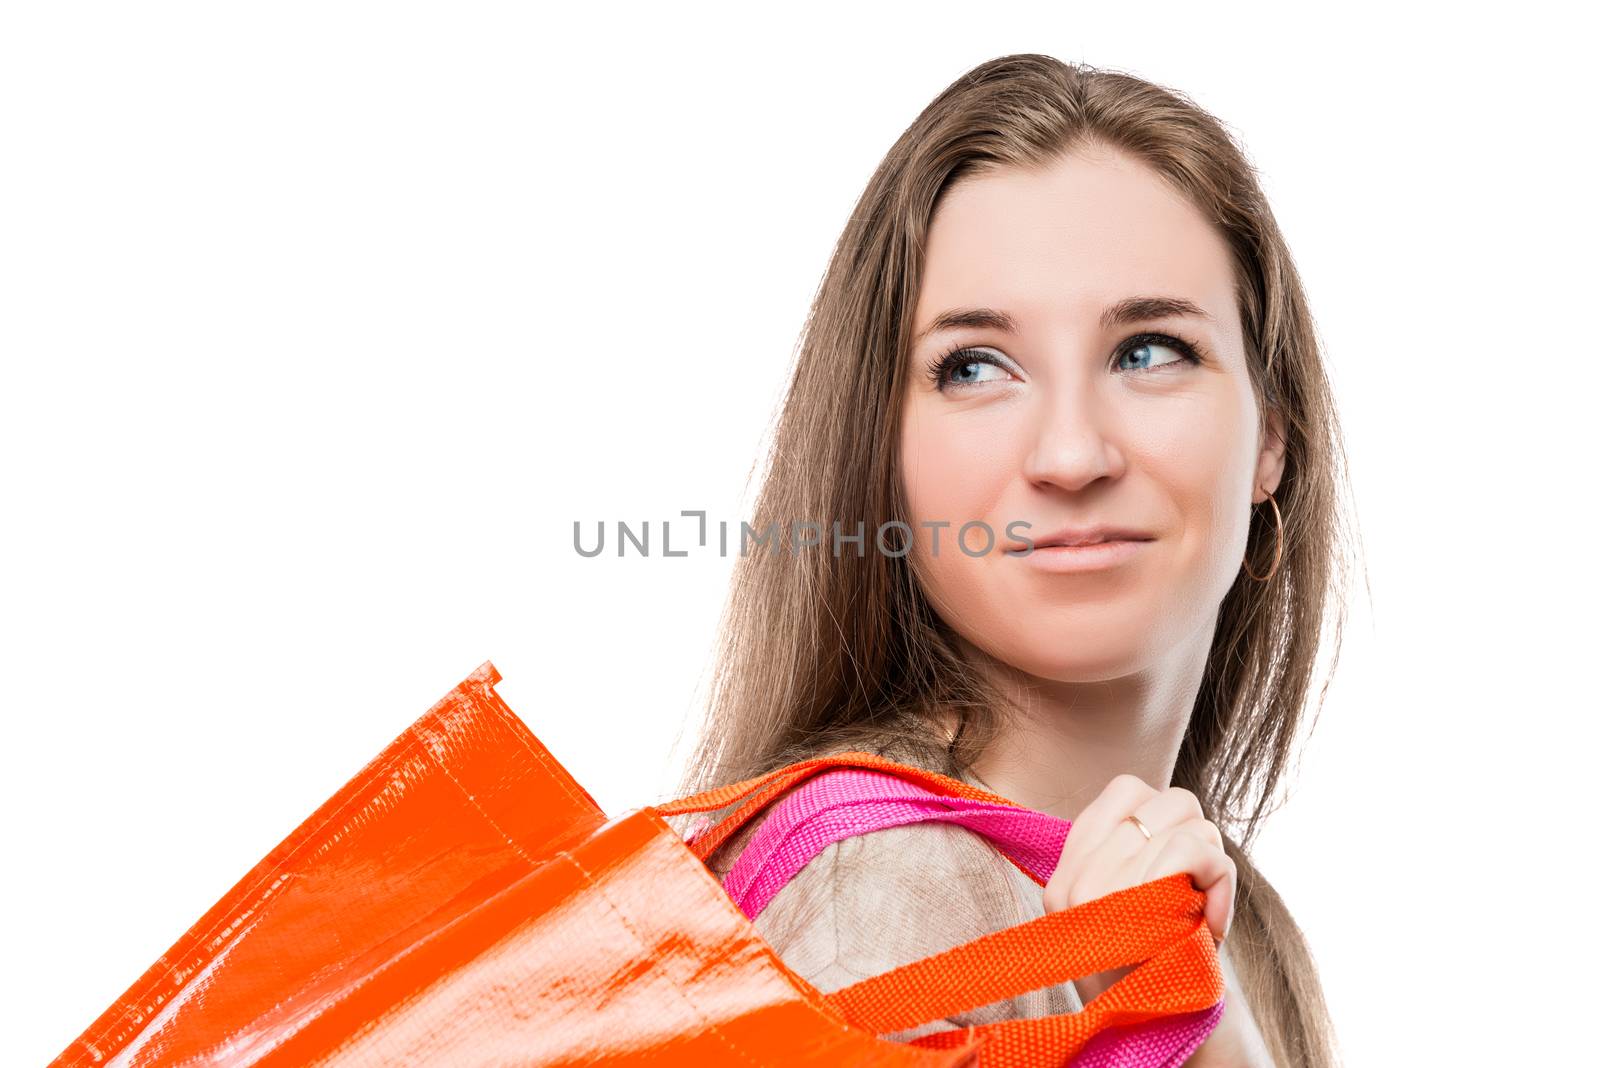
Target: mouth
point(1074, 550)
point(1081, 538)
point(1091, 552)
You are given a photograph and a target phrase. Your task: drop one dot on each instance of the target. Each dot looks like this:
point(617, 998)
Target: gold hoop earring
point(1277, 551)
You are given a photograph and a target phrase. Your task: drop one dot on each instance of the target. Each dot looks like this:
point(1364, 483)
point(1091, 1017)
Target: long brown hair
point(830, 651)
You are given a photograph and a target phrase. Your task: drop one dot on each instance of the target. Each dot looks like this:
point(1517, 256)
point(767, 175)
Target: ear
point(1270, 458)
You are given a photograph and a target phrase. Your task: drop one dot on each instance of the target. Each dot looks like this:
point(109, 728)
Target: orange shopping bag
point(463, 901)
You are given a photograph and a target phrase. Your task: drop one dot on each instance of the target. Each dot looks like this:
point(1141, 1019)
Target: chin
point(1091, 657)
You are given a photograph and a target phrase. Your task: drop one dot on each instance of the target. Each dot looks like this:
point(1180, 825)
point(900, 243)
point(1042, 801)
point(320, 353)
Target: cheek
point(954, 469)
point(1206, 462)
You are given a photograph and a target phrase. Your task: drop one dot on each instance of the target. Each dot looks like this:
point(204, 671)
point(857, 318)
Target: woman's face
point(1087, 411)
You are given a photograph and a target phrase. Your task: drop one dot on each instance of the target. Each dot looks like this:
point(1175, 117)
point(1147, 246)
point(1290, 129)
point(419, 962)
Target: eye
point(1144, 349)
point(964, 367)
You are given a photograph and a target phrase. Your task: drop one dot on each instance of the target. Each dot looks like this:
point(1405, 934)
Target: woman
point(1062, 310)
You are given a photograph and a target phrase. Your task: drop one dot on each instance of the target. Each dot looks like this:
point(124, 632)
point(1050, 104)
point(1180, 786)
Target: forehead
point(1063, 241)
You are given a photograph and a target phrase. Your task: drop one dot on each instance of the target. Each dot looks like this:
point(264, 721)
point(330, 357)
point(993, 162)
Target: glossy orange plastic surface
point(463, 901)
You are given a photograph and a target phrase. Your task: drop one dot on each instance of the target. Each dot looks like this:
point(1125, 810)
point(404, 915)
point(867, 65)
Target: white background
point(322, 323)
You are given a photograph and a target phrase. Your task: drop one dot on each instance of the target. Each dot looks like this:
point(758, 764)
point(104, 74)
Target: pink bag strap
point(843, 802)
point(847, 801)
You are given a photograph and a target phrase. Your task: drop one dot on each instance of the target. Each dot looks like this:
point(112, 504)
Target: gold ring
point(1139, 823)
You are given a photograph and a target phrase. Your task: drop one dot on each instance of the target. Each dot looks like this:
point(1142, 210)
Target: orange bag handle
point(1158, 926)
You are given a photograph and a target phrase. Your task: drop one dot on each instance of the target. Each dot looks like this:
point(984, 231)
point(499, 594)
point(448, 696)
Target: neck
point(1066, 740)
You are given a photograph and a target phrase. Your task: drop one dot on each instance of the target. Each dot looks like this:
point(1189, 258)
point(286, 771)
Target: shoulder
point(871, 903)
point(887, 897)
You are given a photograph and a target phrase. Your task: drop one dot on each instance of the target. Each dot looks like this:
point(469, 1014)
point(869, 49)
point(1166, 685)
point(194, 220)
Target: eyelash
point(962, 354)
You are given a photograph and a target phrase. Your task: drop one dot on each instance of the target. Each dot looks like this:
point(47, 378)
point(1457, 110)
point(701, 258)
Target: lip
point(1076, 536)
point(1091, 549)
point(1068, 558)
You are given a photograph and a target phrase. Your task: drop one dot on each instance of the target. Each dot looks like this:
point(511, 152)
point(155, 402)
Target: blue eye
point(965, 367)
point(973, 371)
point(1142, 348)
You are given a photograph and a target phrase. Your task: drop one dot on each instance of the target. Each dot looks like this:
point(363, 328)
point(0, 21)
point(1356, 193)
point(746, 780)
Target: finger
point(1099, 818)
point(1187, 848)
point(1167, 809)
point(1170, 807)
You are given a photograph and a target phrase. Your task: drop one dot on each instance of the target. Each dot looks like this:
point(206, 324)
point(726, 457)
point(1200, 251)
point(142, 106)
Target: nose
point(1072, 440)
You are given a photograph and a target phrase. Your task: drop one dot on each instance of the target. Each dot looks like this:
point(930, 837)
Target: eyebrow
point(1131, 310)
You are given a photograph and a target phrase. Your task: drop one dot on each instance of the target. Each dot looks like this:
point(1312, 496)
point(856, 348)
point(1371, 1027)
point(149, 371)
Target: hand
point(1105, 852)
